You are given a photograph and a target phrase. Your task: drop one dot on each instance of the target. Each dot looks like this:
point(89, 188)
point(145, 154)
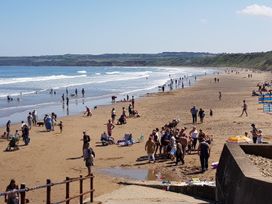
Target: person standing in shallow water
point(220, 96)
point(83, 92)
point(67, 101)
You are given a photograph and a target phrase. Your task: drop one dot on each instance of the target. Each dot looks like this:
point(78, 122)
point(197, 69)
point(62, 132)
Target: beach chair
point(140, 139)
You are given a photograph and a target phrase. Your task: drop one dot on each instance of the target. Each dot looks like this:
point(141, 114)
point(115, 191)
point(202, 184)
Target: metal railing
point(48, 186)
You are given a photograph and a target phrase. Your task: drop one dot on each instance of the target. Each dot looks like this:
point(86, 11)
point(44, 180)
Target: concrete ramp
point(137, 194)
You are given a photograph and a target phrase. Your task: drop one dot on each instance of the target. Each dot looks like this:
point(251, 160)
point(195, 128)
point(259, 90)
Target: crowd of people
point(174, 143)
point(49, 121)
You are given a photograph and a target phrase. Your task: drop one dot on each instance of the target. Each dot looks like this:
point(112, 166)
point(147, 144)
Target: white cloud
point(203, 20)
point(257, 10)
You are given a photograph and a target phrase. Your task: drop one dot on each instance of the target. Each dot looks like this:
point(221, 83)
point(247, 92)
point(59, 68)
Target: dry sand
point(55, 156)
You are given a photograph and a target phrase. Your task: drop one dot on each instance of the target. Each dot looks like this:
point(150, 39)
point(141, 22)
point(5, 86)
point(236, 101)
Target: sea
point(41, 88)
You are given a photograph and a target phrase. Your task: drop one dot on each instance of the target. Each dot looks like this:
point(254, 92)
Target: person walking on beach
point(25, 134)
point(86, 139)
point(113, 115)
point(150, 148)
point(201, 115)
point(220, 96)
point(8, 129)
point(132, 101)
point(204, 154)
point(12, 198)
point(76, 91)
point(211, 112)
point(244, 108)
point(34, 117)
point(194, 112)
point(29, 120)
point(88, 155)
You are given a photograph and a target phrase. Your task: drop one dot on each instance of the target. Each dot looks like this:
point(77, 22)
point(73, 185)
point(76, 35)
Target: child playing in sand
point(61, 126)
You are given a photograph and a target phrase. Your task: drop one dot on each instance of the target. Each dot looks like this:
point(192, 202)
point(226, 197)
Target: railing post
point(67, 189)
point(22, 194)
point(91, 187)
point(48, 191)
point(80, 189)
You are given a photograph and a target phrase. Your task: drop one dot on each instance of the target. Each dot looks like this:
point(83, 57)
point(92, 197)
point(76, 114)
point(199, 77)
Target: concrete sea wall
point(238, 180)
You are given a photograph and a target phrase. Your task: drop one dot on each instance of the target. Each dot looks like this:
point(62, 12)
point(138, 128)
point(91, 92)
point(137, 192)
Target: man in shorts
point(88, 155)
point(244, 108)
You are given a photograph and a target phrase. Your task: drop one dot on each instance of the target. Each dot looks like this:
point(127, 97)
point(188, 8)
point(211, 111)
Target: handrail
point(71, 198)
point(23, 189)
point(46, 185)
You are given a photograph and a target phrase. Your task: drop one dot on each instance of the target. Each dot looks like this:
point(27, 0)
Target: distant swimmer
point(67, 101)
point(83, 92)
point(62, 98)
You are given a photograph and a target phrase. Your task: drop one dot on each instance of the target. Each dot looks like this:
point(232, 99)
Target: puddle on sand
point(137, 174)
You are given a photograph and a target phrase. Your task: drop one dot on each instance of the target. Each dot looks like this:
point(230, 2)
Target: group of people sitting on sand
point(263, 89)
point(107, 138)
point(124, 116)
point(174, 143)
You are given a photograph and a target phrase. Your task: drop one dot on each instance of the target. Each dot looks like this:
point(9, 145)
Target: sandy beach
point(55, 156)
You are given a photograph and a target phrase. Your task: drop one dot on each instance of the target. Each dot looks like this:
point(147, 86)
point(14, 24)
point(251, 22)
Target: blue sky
point(41, 27)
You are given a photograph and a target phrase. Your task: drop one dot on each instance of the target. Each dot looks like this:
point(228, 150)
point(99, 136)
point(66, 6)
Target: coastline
point(49, 154)
point(107, 85)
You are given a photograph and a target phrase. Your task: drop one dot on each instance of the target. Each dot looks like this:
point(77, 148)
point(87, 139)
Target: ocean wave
point(110, 73)
point(105, 79)
point(97, 73)
point(35, 79)
point(27, 107)
point(82, 72)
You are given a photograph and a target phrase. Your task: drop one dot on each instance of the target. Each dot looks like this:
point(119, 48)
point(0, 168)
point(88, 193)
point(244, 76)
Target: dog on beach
point(40, 123)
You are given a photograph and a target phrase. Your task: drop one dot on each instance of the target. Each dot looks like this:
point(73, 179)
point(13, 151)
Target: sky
point(39, 27)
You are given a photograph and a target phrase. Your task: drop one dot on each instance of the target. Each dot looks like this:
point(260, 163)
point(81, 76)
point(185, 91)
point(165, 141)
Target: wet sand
point(55, 156)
